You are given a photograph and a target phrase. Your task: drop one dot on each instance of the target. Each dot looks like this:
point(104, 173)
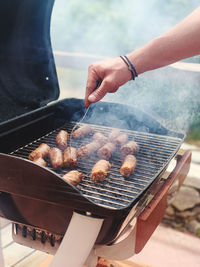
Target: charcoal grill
point(115, 192)
point(45, 210)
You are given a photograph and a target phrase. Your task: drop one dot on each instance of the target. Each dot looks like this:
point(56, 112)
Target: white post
point(78, 241)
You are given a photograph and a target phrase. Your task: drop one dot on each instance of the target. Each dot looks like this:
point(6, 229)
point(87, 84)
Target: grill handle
point(149, 219)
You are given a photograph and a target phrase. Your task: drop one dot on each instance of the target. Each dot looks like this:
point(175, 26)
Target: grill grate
point(116, 191)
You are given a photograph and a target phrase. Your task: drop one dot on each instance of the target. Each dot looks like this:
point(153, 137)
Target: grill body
point(39, 197)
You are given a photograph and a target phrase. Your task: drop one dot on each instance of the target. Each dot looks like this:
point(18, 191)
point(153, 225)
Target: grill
point(43, 207)
point(116, 192)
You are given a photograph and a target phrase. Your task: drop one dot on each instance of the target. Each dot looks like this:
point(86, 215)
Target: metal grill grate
point(116, 191)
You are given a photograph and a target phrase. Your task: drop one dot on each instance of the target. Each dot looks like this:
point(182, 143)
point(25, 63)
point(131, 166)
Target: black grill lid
point(28, 77)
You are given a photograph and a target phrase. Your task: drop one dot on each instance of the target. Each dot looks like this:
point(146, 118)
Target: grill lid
point(28, 77)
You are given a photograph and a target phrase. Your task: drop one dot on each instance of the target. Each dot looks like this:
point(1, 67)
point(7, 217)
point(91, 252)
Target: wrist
point(135, 59)
point(124, 71)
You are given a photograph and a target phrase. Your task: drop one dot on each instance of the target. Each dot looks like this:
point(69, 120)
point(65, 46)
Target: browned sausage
point(40, 162)
point(87, 150)
point(73, 177)
point(113, 134)
point(100, 170)
point(70, 157)
point(40, 152)
point(128, 166)
point(61, 139)
point(56, 158)
point(121, 140)
point(106, 151)
point(99, 137)
point(130, 148)
point(82, 131)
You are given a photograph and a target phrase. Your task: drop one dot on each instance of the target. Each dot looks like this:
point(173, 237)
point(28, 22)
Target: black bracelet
point(132, 66)
point(129, 67)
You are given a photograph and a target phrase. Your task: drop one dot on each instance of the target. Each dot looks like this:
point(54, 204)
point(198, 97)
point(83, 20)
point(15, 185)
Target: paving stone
point(186, 214)
point(170, 211)
point(193, 226)
point(193, 182)
point(186, 198)
point(197, 210)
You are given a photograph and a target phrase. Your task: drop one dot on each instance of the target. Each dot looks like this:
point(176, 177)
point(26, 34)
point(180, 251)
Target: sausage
point(73, 177)
point(40, 152)
point(70, 157)
point(130, 148)
point(113, 134)
point(56, 158)
point(82, 131)
point(106, 151)
point(121, 140)
point(100, 170)
point(61, 139)
point(128, 166)
point(87, 150)
point(99, 137)
point(40, 161)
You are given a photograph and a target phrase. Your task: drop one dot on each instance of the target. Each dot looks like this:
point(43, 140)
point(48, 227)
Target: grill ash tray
point(116, 192)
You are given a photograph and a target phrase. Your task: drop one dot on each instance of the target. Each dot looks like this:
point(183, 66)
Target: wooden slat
point(6, 235)
point(34, 260)
point(15, 253)
point(3, 223)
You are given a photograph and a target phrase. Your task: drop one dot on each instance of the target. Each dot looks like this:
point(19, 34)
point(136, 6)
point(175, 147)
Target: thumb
point(99, 93)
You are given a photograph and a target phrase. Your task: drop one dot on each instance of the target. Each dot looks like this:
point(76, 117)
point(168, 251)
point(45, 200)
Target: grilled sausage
point(121, 140)
point(61, 139)
point(113, 134)
point(73, 177)
point(40, 162)
point(82, 131)
point(87, 150)
point(128, 166)
point(56, 158)
point(130, 148)
point(99, 137)
point(105, 152)
point(40, 152)
point(70, 157)
point(100, 170)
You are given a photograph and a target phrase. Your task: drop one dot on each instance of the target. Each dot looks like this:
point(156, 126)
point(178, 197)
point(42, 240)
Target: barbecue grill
point(92, 219)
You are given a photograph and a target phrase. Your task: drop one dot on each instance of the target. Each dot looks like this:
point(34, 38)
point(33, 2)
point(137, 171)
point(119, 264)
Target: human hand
point(112, 72)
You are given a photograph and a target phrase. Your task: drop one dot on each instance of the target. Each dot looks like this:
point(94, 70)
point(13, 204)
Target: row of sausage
point(104, 146)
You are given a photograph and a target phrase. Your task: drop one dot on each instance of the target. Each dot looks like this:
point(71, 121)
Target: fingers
point(91, 83)
point(100, 92)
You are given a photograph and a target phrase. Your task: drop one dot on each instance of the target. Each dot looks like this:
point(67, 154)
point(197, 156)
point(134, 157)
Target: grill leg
point(78, 241)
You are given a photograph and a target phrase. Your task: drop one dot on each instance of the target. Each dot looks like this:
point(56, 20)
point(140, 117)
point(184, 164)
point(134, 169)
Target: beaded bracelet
point(130, 66)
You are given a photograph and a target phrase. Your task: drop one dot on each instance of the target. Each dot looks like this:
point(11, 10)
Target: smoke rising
point(114, 27)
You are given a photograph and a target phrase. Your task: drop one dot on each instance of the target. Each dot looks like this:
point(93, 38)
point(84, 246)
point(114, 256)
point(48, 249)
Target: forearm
point(182, 41)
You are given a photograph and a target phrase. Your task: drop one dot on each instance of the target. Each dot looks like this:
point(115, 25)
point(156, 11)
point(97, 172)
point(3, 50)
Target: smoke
point(114, 27)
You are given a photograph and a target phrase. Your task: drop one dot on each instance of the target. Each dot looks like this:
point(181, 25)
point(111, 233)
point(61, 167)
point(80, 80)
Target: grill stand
point(124, 249)
point(78, 241)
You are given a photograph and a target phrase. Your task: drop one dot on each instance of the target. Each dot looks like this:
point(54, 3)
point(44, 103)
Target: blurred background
point(109, 28)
